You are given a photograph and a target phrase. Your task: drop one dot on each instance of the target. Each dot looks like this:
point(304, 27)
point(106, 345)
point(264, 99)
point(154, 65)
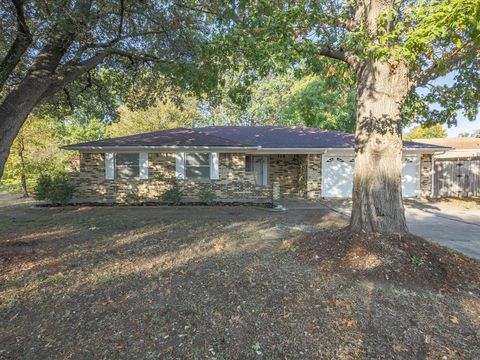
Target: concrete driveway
point(450, 225)
point(447, 224)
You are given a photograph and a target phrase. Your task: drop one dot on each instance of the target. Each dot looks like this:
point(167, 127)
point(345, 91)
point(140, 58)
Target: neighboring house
point(456, 170)
point(237, 163)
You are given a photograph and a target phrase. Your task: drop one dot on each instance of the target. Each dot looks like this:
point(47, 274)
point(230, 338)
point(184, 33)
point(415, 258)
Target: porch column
point(314, 176)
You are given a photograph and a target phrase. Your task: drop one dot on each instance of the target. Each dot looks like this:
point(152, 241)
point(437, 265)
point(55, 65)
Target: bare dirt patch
point(407, 260)
point(216, 283)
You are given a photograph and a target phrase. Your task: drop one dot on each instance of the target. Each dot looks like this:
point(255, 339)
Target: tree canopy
point(390, 48)
point(100, 53)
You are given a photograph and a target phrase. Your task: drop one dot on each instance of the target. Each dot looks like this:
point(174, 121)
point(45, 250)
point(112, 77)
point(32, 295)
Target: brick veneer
point(296, 176)
point(234, 184)
point(426, 172)
point(314, 176)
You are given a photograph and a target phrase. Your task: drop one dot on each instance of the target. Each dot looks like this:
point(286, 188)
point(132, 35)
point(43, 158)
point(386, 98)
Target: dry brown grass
point(209, 283)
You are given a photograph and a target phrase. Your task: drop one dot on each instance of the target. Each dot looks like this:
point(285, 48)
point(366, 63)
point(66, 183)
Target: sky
point(463, 124)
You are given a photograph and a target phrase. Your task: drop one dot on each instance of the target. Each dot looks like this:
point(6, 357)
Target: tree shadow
point(226, 284)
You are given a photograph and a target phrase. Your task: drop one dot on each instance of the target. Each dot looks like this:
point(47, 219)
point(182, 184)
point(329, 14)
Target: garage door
point(410, 176)
point(337, 176)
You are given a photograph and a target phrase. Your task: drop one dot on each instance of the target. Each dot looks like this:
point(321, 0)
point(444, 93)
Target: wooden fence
point(456, 178)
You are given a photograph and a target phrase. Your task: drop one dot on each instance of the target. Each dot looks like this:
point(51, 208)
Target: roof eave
point(175, 148)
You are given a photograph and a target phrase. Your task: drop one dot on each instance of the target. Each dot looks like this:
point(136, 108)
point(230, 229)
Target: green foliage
point(431, 38)
point(173, 195)
point(426, 132)
point(417, 260)
point(314, 101)
point(56, 189)
point(207, 196)
point(143, 48)
point(37, 148)
point(42, 189)
point(322, 103)
point(164, 114)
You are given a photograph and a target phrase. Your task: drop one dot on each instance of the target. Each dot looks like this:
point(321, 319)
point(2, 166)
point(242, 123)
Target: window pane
point(197, 172)
point(127, 159)
point(248, 163)
point(127, 165)
point(196, 159)
point(124, 172)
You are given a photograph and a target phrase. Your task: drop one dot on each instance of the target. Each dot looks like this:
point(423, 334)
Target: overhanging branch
point(447, 61)
point(21, 43)
point(338, 54)
point(73, 71)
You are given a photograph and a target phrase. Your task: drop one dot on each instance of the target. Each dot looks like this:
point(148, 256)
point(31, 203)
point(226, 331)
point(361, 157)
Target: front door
point(258, 170)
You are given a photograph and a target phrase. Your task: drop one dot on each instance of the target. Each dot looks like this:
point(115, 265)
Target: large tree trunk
point(377, 193)
point(13, 112)
point(19, 102)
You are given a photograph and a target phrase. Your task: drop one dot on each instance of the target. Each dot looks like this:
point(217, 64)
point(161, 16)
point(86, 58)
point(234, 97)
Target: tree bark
point(19, 102)
point(21, 43)
point(377, 194)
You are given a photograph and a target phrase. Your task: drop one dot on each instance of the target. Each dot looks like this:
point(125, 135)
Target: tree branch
point(122, 12)
point(21, 43)
point(72, 72)
point(339, 54)
point(447, 61)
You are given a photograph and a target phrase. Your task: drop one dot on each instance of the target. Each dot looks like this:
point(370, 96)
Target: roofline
point(174, 148)
point(253, 149)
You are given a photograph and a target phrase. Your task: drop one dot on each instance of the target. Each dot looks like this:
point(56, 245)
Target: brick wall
point(314, 176)
point(426, 175)
point(286, 170)
point(233, 185)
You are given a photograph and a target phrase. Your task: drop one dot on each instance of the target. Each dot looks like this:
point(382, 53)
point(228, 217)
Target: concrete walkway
point(450, 225)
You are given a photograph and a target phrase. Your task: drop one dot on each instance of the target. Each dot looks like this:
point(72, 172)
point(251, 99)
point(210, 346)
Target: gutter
point(174, 148)
point(226, 149)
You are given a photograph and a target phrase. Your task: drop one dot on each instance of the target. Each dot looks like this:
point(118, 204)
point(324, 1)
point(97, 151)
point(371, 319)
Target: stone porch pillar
point(314, 176)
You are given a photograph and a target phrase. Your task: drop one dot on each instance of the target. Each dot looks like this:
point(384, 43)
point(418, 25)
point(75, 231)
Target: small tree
point(426, 132)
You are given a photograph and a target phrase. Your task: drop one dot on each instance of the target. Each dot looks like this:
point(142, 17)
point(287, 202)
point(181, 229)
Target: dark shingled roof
point(242, 136)
point(172, 137)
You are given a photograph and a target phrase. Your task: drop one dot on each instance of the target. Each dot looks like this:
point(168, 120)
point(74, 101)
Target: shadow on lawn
point(223, 286)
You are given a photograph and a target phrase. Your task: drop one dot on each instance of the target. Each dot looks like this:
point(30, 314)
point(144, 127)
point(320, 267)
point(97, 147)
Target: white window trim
point(109, 166)
point(143, 165)
point(180, 165)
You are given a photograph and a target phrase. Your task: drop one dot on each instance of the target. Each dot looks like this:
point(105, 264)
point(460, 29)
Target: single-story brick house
point(236, 163)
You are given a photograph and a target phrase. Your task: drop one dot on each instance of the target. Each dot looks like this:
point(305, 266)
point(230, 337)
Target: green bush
point(57, 189)
point(173, 195)
point(207, 195)
point(42, 189)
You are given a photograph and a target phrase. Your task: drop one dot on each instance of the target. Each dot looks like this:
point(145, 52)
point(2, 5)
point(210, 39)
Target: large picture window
point(197, 166)
point(127, 166)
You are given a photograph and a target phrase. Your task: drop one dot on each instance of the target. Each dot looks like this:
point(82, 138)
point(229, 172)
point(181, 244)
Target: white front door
point(337, 176)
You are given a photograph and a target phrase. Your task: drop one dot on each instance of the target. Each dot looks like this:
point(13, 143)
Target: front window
point(197, 166)
point(127, 165)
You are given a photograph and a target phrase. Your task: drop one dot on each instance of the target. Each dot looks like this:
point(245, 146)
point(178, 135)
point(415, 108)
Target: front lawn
point(221, 283)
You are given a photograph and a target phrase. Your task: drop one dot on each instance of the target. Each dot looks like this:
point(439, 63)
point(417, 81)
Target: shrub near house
point(56, 189)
